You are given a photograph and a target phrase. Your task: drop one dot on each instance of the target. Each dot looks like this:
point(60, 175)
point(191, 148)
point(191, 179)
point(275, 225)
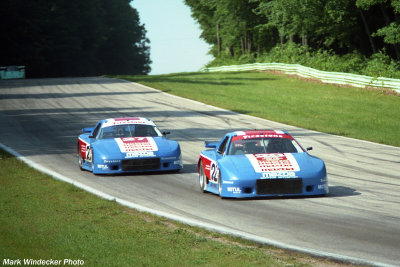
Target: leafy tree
point(338, 25)
point(390, 29)
point(124, 45)
point(204, 12)
point(72, 37)
point(230, 25)
point(362, 35)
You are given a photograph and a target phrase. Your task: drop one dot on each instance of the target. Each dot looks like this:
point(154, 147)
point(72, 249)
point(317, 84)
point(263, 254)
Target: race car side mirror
point(309, 148)
point(165, 133)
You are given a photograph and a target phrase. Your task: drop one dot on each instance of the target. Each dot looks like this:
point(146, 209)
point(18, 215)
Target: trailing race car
point(260, 163)
point(127, 145)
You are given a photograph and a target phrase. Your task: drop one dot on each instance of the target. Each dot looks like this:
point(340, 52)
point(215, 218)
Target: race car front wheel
point(202, 178)
point(219, 184)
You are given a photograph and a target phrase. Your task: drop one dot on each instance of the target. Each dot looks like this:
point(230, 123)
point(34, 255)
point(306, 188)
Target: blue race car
point(260, 163)
point(123, 145)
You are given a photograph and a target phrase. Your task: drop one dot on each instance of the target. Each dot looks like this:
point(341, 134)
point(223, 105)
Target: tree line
point(254, 27)
point(54, 38)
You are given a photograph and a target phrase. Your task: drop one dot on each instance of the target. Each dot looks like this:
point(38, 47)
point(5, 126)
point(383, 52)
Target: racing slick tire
point(80, 159)
point(219, 185)
point(202, 178)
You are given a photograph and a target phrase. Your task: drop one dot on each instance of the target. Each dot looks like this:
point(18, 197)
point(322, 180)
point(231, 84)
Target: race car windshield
point(263, 145)
point(129, 130)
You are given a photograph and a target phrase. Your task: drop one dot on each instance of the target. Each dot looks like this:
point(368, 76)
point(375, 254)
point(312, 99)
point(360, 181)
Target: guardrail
point(325, 76)
point(12, 72)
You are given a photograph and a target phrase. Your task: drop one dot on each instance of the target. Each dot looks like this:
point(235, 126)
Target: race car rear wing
point(87, 130)
point(211, 144)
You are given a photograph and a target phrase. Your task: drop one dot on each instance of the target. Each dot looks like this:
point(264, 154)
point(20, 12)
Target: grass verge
point(353, 112)
point(42, 218)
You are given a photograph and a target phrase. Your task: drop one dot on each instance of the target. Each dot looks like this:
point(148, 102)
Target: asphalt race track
point(360, 218)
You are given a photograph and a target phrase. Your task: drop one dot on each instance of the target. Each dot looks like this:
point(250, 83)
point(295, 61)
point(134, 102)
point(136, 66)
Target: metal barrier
point(325, 76)
point(12, 72)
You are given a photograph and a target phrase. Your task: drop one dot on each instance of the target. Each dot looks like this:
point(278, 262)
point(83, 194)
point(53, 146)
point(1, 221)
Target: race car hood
point(279, 165)
point(136, 147)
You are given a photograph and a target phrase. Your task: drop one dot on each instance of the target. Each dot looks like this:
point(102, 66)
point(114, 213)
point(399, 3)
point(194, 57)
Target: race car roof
point(261, 134)
point(127, 120)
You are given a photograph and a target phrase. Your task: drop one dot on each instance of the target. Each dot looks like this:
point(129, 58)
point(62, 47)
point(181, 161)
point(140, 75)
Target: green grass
point(42, 218)
point(354, 112)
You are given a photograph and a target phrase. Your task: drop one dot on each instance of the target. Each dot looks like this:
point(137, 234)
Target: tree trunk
point(367, 31)
point(304, 41)
point(243, 45)
point(231, 51)
point(385, 15)
point(249, 45)
point(218, 40)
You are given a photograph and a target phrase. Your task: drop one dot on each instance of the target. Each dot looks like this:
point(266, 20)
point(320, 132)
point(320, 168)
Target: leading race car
point(122, 145)
point(260, 163)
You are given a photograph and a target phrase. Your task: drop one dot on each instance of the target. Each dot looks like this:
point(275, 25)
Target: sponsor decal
point(284, 174)
point(227, 182)
point(235, 190)
point(323, 187)
point(135, 144)
point(111, 161)
point(123, 121)
point(178, 162)
point(262, 136)
point(136, 154)
point(83, 148)
point(168, 158)
point(102, 166)
point(259, 134)
point(282, 162)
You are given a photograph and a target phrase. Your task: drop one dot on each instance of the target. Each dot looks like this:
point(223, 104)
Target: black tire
point(80, 159)
point(202, 178)
point(91, 152)
point(219, 185)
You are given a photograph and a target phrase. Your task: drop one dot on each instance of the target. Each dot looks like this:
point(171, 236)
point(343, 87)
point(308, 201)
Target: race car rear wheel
point(202, 178)
point(80, 159)
point(90, 158)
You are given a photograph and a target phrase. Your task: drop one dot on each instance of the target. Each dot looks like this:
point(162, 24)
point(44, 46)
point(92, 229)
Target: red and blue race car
point(123, 145)
point(260, 163)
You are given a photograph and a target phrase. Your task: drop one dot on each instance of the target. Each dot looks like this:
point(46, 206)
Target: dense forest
point(54, 38)
point(358, 34)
